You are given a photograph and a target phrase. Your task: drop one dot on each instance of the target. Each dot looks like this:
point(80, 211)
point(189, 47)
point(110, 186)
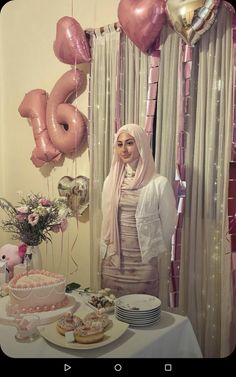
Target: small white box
point(3, 273)
point(69, 336)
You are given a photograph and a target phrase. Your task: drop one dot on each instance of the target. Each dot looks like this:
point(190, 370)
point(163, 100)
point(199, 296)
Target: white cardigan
point(155, 218)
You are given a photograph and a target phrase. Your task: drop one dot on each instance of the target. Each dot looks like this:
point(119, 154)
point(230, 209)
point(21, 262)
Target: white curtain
point(118, 83)
point(205, 278)
point(104, 46)
point(208, 269)
point(205, 290)
point(133, 83)
point(166, 130)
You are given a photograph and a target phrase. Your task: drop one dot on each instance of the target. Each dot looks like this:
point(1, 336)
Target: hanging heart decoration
point(71, 45)
point(190, 19)
point(142, 21)
point(76, 190)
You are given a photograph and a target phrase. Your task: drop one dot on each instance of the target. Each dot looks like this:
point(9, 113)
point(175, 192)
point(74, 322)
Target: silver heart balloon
point(76, 190)
point(190, 19)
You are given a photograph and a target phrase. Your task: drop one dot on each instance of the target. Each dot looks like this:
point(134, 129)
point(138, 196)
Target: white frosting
point(35, 278)
point(37, 291)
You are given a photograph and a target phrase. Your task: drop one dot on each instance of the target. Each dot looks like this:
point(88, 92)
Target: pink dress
point(133, 276)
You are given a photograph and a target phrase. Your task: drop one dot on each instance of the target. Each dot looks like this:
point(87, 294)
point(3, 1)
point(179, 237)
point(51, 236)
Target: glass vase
point(35, 258)
point(27, 330)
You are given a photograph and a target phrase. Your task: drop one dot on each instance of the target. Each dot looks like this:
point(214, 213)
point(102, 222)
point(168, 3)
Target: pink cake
point(38, 291)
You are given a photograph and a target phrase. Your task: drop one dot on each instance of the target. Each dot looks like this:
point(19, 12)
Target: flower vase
point(35, 257)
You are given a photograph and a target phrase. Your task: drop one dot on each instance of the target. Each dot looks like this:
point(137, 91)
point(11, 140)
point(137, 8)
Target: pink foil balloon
point(142, 21)
point(71, 46)
point(190, 19)
point(66, 125)
point(33, 107)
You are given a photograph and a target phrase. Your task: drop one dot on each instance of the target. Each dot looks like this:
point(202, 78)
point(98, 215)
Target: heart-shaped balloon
point(76, 190)
point(71, 46)
point(190, 19)
point(142, 21)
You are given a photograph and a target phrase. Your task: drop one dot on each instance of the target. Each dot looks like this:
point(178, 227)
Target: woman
point(139, 216)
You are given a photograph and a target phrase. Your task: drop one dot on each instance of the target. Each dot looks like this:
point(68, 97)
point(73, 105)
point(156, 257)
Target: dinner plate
point(138, 314)
point(138, 302)
point(121, 318)
point(113, 332)
point(144, 324)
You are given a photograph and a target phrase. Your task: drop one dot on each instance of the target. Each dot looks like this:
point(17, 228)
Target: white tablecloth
point(172, 337)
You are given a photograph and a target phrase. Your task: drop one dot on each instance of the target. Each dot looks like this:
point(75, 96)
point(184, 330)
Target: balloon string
point(76, 81)
point(61, 253)
point(72, 7)
point(53, 261)
point(76, 268)
point(75, 168)
point(48, 186)
point(67, 262)
point(76, 102)
point(76, 88)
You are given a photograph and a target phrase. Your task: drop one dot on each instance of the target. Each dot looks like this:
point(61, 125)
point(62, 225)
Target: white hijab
point(112, 188)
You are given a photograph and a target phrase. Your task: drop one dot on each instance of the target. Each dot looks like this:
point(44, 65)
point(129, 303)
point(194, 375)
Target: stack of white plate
point(138, 309)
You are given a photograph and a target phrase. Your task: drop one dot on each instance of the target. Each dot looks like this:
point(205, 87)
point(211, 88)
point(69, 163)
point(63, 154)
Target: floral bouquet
point(34, 218)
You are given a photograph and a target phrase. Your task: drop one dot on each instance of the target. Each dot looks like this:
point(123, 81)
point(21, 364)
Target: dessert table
point(171, 337)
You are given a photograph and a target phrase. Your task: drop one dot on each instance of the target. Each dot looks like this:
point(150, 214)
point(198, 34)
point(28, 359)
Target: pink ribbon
point(152, 88)
point(232, 168)
point(118, 86)
point(185, 71)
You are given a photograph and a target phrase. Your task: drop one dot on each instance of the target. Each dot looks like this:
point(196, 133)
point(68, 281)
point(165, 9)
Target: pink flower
point(22, 249)
point(45, 202)
point(56, 228)
point(21, 217)
point(60, 227)
point(33, 218)
point(64, 225)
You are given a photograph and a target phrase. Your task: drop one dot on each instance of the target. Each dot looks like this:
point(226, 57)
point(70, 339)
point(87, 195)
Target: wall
point(27, 61)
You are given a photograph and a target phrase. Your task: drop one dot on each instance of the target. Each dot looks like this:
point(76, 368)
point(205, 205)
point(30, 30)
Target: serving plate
point(113, 331)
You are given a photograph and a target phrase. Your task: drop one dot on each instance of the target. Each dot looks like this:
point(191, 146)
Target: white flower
point(33, 218)
point(23, 209)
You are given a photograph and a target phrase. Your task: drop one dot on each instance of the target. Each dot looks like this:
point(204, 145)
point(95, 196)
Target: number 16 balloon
point(33, 107)
point(66, 125)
